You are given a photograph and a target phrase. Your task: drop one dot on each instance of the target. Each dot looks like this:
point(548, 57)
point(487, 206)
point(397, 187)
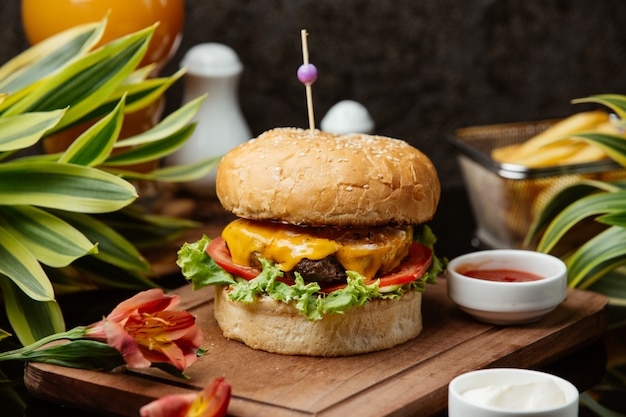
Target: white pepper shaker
point(215, 69)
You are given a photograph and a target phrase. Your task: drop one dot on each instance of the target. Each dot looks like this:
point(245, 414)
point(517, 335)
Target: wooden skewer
point(307, 83)
point(305, 47)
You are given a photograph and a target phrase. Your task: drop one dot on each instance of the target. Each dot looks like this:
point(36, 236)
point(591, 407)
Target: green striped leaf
point(20, 266)
point(152, 150)
point(88, 81)
point(168, 126)
point(48, 56)
point(146, 92)
point(24, 130)
point(113, 248)
point(613, 145)
point(89, 273)
point(176, 173)
point(38, 158)
point(564, 198)
point(147, 230)
point(65, 186)
point(599, 255)
point(585, 207)
point(139, 75)
point(67, 280)
point(138, 96)
point(106, 275)
point(31, 320)
point(616, 102)
point(613, 219)
point(613, 285)
point(94, 146)
point(51, 240)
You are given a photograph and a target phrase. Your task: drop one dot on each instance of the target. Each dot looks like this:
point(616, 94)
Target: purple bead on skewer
point(307, 74)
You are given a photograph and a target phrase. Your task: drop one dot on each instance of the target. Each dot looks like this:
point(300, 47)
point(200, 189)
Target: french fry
point(506, 153)
point(548, 156)
point(587, 153)
point(541, 150)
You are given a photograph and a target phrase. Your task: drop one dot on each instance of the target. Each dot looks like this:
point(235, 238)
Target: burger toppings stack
point(330, 254)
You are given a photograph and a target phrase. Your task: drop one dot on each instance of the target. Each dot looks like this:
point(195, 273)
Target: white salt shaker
point(347, 116)
point(215, 69)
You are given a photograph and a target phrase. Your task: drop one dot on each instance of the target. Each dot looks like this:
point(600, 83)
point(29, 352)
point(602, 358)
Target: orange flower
point(146, 329)
point(211, 402)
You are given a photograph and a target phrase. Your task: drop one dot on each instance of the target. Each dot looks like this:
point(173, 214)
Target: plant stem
point(73, 334)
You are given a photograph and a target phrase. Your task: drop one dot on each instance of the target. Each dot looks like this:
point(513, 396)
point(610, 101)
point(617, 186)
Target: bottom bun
point(278, 327)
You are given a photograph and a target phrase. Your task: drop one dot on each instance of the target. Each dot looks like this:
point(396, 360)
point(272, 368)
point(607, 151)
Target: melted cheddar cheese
point(367, 251)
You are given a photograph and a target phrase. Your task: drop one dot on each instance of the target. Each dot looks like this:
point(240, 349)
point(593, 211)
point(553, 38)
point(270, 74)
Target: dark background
point(422, 67)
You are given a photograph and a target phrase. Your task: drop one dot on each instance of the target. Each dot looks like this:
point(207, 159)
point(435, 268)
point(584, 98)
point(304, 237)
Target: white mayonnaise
point(537, 395)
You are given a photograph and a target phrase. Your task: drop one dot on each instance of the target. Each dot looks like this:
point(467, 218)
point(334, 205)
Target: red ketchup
point(501, 275)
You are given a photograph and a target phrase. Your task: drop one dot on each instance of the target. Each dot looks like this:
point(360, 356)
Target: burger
point(329, 254)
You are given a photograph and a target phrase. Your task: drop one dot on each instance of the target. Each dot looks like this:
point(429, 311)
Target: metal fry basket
point(506, 198)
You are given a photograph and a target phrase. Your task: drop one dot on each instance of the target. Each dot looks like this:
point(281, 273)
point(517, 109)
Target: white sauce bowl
point(459, 405)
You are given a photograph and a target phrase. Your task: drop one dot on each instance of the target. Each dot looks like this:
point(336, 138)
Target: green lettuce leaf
point(426, 237)
point(356, 293)
point(199, 268)
point(246, 291)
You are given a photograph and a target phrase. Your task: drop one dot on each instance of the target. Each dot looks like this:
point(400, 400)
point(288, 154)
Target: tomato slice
point(416, 264)
point(219, 252)
point(419, 260)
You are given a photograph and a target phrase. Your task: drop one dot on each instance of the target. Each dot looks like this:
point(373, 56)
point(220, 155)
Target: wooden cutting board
point(410, 379)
